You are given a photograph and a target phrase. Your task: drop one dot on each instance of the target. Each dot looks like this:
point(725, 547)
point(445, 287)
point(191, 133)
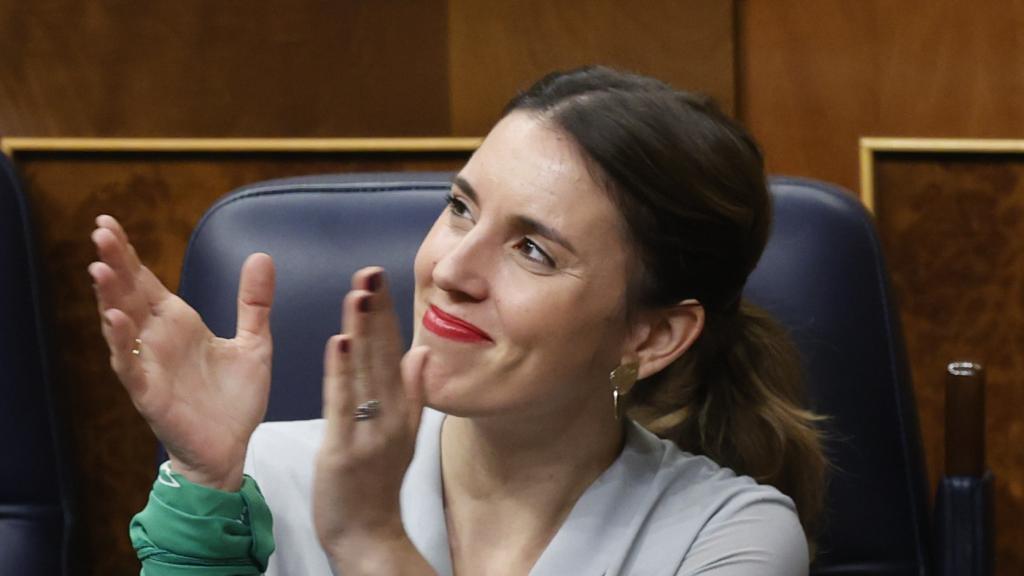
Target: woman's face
point(520, 284)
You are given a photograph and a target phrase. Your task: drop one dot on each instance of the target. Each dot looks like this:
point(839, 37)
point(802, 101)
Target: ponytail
point(736, 397)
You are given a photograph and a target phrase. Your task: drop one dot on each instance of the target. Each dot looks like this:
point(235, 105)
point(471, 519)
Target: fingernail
point(343, 345)
point(373, 281)
point(364, 304)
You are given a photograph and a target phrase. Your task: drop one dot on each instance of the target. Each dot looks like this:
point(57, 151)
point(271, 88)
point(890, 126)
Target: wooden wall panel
point(227, 68)
point(952, 227)
point(816, 76)
point(159, 197)
point(498, 48)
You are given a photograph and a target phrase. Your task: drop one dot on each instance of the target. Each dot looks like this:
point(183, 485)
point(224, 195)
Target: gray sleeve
point(757, 538)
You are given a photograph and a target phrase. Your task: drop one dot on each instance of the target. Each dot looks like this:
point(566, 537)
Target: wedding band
point(367, 410)
point(137, 349)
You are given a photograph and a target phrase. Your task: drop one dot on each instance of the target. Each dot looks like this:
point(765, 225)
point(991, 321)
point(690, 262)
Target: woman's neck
point(485, 457)
point(509, 485)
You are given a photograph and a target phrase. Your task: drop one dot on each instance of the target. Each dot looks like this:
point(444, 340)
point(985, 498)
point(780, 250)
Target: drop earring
point(622, 379)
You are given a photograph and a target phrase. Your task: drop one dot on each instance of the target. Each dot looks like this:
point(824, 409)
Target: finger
point(357, 309)
point(255, 295)
point(377, 344)
point(376, 351)
point(109, 293)
point(133, 276)
point(110, 223)
point(381, 324)
point(120, 333)
point(112, 253)
point(414, 368)
point(338, 399)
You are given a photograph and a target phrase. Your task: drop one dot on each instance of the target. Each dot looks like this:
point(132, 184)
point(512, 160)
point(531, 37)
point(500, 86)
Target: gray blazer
point(655, 511)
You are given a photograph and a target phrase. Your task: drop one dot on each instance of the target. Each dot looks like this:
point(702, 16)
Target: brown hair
point(691, 187)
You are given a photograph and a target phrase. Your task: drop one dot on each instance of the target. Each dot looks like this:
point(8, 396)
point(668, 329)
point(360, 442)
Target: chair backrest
point(822, 275)
point(35, 498)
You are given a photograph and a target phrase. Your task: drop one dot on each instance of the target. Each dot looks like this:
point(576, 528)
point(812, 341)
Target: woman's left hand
point(363, 459)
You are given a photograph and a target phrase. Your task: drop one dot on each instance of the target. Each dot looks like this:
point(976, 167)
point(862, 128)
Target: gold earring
point(622, 379)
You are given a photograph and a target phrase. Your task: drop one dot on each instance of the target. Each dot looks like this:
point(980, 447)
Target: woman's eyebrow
point(529, 225)
point(524, 223)
point(466, 188)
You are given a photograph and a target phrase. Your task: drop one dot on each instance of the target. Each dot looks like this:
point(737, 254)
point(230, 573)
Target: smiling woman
point(586, 392)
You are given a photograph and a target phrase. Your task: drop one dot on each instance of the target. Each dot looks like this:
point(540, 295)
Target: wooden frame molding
point(11, 146)
point(870, 146)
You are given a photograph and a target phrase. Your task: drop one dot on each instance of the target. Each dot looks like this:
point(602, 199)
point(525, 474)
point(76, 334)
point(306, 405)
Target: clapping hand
point(372, 403)
point(202, 395)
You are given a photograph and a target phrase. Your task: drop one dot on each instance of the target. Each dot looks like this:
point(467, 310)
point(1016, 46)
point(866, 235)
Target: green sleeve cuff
point(188, 528)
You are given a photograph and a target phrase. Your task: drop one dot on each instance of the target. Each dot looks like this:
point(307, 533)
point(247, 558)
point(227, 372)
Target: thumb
point(413, 368)
point(255, 295)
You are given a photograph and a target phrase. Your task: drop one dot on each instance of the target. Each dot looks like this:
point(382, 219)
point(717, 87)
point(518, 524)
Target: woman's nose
point(463, 269)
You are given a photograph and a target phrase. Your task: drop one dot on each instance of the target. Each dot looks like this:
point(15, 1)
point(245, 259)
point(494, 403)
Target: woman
point(589, 265)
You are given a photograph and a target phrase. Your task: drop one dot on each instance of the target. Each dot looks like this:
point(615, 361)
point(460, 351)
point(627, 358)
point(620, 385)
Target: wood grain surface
point(814, 77)
point(159, 197)
point(498, 48)
point(228, 68)
point(952, 227)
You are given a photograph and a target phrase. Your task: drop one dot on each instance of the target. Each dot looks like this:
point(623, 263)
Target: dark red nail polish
point(373, 281)
point(343, 345)
point(364, 304)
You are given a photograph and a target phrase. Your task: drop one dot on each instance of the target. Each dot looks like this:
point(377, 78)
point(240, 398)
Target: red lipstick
point(447, 326)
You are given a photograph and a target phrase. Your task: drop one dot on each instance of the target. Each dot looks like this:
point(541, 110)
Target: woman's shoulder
point(681, 475)
point(729, 518)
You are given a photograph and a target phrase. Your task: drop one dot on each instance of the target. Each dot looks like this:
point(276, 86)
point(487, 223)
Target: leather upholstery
point(822, 275)
point(35, 509)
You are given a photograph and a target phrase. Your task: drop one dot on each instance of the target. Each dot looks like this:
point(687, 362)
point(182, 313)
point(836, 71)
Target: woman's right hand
point(202, 395)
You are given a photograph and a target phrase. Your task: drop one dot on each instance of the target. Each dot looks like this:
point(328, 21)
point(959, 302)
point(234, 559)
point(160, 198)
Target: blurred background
point(809, 78)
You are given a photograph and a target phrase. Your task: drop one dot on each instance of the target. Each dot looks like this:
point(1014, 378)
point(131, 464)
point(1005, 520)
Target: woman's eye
point(458, 207)
point(530, 250)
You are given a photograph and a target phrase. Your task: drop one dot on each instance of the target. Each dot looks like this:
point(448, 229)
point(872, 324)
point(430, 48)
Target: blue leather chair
point(36, 518)
point(822, 275)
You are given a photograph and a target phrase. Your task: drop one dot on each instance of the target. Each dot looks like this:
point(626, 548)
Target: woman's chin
point(452, 394)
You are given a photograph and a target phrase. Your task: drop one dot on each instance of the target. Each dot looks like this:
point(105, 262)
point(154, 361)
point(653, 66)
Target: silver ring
point(137, 349)
point(367, 410)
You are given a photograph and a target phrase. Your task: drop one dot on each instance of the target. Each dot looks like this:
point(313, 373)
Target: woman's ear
point(663, 335)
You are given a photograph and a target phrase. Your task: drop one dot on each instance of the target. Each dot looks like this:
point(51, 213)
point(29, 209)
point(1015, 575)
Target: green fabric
point(191, 529)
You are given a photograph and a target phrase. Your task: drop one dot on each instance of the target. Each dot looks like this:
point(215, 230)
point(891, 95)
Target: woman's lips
point(447, 326)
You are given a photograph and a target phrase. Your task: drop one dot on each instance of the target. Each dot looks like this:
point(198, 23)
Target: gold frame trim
point(13, 145)
point(869, 146)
